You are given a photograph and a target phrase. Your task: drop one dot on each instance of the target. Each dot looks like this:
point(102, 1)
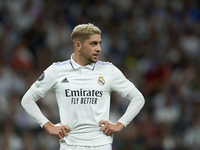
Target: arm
point(125, 88)
point(136, 104)
point(29, 104)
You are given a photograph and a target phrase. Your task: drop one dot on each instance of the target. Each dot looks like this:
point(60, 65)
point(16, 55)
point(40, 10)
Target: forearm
point(136, 104)
point(29, 104)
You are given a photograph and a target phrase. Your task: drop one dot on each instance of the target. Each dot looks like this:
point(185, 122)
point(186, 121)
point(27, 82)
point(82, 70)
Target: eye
point(94, 43)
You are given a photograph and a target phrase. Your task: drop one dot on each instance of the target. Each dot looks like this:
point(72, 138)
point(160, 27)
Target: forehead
point(95, 37)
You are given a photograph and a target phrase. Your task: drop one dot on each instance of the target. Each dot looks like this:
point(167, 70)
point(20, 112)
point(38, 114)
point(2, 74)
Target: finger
point(106, 130)
point(65, 133)
point(102, 123)
point(109, 132)
point(104, 127)
point(67, 129)
point(60, 136)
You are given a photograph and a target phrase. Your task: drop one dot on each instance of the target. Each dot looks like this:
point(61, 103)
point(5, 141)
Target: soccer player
point(83, 86)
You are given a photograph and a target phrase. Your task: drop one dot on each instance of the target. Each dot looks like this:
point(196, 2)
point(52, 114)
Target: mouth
point(96, 56)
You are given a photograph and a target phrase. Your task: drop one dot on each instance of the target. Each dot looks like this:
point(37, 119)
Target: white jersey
point(83, 95)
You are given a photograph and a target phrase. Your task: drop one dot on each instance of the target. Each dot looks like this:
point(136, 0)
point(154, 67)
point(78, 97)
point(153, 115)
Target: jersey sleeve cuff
point(121, 121)
point(42, 122)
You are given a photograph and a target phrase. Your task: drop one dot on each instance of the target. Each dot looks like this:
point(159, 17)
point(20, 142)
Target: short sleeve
point(120, 83)
point(46, 82)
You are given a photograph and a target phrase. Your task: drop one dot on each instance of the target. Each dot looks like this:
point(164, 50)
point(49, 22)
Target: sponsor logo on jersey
point(101, 81)
point(41, 77)
point(65, 80)
point(37, 85)
point(81, 92)
point(81, 96)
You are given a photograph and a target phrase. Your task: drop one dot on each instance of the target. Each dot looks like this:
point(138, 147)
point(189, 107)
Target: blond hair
point(83, 32)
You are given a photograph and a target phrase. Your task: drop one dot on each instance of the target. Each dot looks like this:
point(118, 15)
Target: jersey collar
point(77, 66)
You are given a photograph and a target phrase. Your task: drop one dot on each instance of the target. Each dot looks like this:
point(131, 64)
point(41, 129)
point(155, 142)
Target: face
point(90, 49)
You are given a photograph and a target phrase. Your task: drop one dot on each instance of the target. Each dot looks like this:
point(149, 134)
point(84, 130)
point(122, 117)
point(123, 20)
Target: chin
point(93, 60)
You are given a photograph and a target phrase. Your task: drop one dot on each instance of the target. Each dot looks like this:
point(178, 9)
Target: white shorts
point(65, 146)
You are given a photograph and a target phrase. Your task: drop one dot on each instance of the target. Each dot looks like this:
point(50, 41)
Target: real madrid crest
point(101, 81)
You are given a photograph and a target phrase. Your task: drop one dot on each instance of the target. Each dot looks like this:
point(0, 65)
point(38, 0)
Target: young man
point(83, 86)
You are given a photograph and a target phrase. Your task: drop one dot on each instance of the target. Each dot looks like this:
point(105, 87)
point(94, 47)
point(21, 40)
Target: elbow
point(23, 101)
point(142, 101)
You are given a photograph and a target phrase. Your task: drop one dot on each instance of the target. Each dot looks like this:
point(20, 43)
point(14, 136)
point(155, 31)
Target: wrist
point(48, 125)
point(120, 125)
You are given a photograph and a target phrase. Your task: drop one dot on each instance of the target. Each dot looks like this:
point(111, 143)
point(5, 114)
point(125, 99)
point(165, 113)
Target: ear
point(78, 45)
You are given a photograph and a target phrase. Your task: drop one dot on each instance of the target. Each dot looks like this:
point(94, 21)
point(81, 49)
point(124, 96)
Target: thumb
point(67, 129)
point(101, 123)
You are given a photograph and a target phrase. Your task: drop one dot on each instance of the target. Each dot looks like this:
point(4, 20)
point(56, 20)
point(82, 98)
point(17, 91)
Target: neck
point(79, 60)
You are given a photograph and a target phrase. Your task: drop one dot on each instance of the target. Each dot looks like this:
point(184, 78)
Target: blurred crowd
point(155, 43)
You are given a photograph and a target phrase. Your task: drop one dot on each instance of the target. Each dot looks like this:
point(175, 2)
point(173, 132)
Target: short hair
point(83, 32)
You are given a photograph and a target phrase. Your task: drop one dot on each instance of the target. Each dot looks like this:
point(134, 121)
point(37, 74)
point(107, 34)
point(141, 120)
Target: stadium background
point(156, 43)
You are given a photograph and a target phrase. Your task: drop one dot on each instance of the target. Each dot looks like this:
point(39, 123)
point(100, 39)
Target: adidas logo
point(65, 80)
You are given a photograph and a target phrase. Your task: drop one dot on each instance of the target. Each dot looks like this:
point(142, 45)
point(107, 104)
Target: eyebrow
point(96, 42)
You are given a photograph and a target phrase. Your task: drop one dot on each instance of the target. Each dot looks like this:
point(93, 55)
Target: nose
point(98, 48)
